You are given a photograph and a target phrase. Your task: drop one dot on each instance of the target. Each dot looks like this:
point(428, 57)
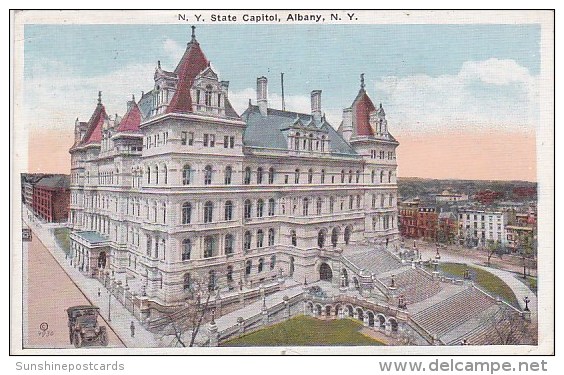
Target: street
point(50, 292)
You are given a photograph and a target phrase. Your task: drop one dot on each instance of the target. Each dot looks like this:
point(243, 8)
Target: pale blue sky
point(426, 58)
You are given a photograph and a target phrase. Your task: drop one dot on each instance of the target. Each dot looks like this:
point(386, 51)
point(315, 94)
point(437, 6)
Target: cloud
point(53, 100)
point(489, 94)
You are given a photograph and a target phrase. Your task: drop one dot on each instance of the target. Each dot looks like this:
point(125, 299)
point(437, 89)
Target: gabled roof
point(270, 131)
point(131, 120)
point(94, 132)
point(191, 64)
point(362, 107)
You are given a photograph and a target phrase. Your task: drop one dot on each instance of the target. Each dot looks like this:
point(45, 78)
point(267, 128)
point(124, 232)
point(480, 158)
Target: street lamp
point(526, 300)
point(110, 302)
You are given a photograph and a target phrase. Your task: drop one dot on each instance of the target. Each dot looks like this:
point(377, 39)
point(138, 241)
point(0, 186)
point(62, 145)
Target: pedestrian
point(132, 327)
point(99, 293)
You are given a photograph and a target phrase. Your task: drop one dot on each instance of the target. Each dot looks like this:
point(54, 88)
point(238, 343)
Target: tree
point(527, 252)
point(183, 324)
point(508, 327)
point(494, 247)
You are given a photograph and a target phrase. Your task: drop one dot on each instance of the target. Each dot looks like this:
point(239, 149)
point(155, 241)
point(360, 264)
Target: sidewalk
point(521, 290)
point(121, 318)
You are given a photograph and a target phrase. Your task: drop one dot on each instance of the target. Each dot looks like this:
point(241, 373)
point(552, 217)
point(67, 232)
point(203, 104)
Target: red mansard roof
point(363, 106)
point(131, 120)
point(94, 132)
point(191, 64)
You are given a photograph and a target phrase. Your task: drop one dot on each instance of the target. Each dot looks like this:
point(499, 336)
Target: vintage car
point(84, 328)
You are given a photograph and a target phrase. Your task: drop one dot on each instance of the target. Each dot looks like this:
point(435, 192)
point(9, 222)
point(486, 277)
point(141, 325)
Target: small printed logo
point(44, 330)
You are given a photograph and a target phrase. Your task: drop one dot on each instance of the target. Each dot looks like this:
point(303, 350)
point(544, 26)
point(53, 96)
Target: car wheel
point(103, 338)
point(77, 340)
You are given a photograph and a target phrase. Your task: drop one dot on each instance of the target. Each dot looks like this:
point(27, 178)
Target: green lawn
point(62, 237)
point(306, 331)
point(489, 282)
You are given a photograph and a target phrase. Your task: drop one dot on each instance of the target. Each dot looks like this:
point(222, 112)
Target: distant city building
point(51, 198)
point(418, 220)
point(449, 197)
point(476, 227)
point(447, 227)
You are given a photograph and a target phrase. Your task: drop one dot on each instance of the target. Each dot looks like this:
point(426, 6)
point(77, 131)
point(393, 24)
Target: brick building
point(51, 198)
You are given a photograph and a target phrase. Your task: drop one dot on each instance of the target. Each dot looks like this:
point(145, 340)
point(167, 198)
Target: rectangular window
point(225, 141)
point(206, 140)
point(231, 142)
point(183, 138)
point(190, 138)
point(212, 140)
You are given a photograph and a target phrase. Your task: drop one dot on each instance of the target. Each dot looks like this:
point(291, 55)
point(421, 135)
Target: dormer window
point(208, 96)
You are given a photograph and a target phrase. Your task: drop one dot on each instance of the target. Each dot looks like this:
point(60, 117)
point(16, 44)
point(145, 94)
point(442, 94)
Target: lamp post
point(526, 300)
point(110, 302)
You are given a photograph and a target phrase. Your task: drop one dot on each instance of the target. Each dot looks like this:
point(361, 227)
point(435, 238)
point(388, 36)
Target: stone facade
point(187, 191)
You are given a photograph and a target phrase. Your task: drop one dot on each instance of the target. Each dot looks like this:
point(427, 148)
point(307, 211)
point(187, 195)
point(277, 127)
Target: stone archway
point(350, 311)
point(325, 273)
point(102, 260)
point(360, 313)
point(381, 321)
point(370, 319)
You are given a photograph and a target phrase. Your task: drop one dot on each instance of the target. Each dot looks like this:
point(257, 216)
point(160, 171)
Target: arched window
point(148, 175)
point(259, 175)
point(390, 176)
point(208, 212)
point(351, 202)
point(260, 265)
point(187, 284)
point(310, 176)
point(297, 141)
point(248, 267)
point(334, 236)
point(163, 208)
point(272, 262)
point(292, 266)
point(342, 176)
point(323, 176)
point(208, 96)
point(323, 143)
point(357, 176)
point(247, 177)
point(381, 176)
point(391, 200)
point(186, 249)
point(212, 280)
point(294, 238)
point(156, 174)
point(165, 174)
point(310, 143)
point(305, 207)
point(358, 201)
point(350, 176)
point(208, 175)
point(271, 237)
point(228, 174)
point(247, 241)
point(372, 176)
point(321, 238)
point(260, 238)
point(297, 176)
point(229, 274)
point(271, 175)
point(228, 244)
point(209, 247)
point(319, 205)
point(186, 213)
point(260, 207)
point(149, 246)
point(186, 174)
point(271, 207)
point(228, 210)
point(247, 209)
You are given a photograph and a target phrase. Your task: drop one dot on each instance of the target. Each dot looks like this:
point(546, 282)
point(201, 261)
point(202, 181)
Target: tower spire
point(193, 33)
point(99, 97)
point(362, 81)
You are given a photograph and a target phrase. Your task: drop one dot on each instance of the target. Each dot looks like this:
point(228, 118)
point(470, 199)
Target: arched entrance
point(394, 324)
point(325, 272)
point(370, 319)
point(382, 321)
point(350, 311)
point(348, 231)
point(334, 236)
point(102, 260)
point(346, 276)
point(359, 313)
point(328, 310)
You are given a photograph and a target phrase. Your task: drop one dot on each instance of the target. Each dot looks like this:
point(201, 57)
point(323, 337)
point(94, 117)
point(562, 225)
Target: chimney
point(316, 104)
point(262, 93)
point(225, 87)
point(346, 126)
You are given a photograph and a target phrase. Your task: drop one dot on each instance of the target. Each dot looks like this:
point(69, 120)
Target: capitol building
point(182, 190)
